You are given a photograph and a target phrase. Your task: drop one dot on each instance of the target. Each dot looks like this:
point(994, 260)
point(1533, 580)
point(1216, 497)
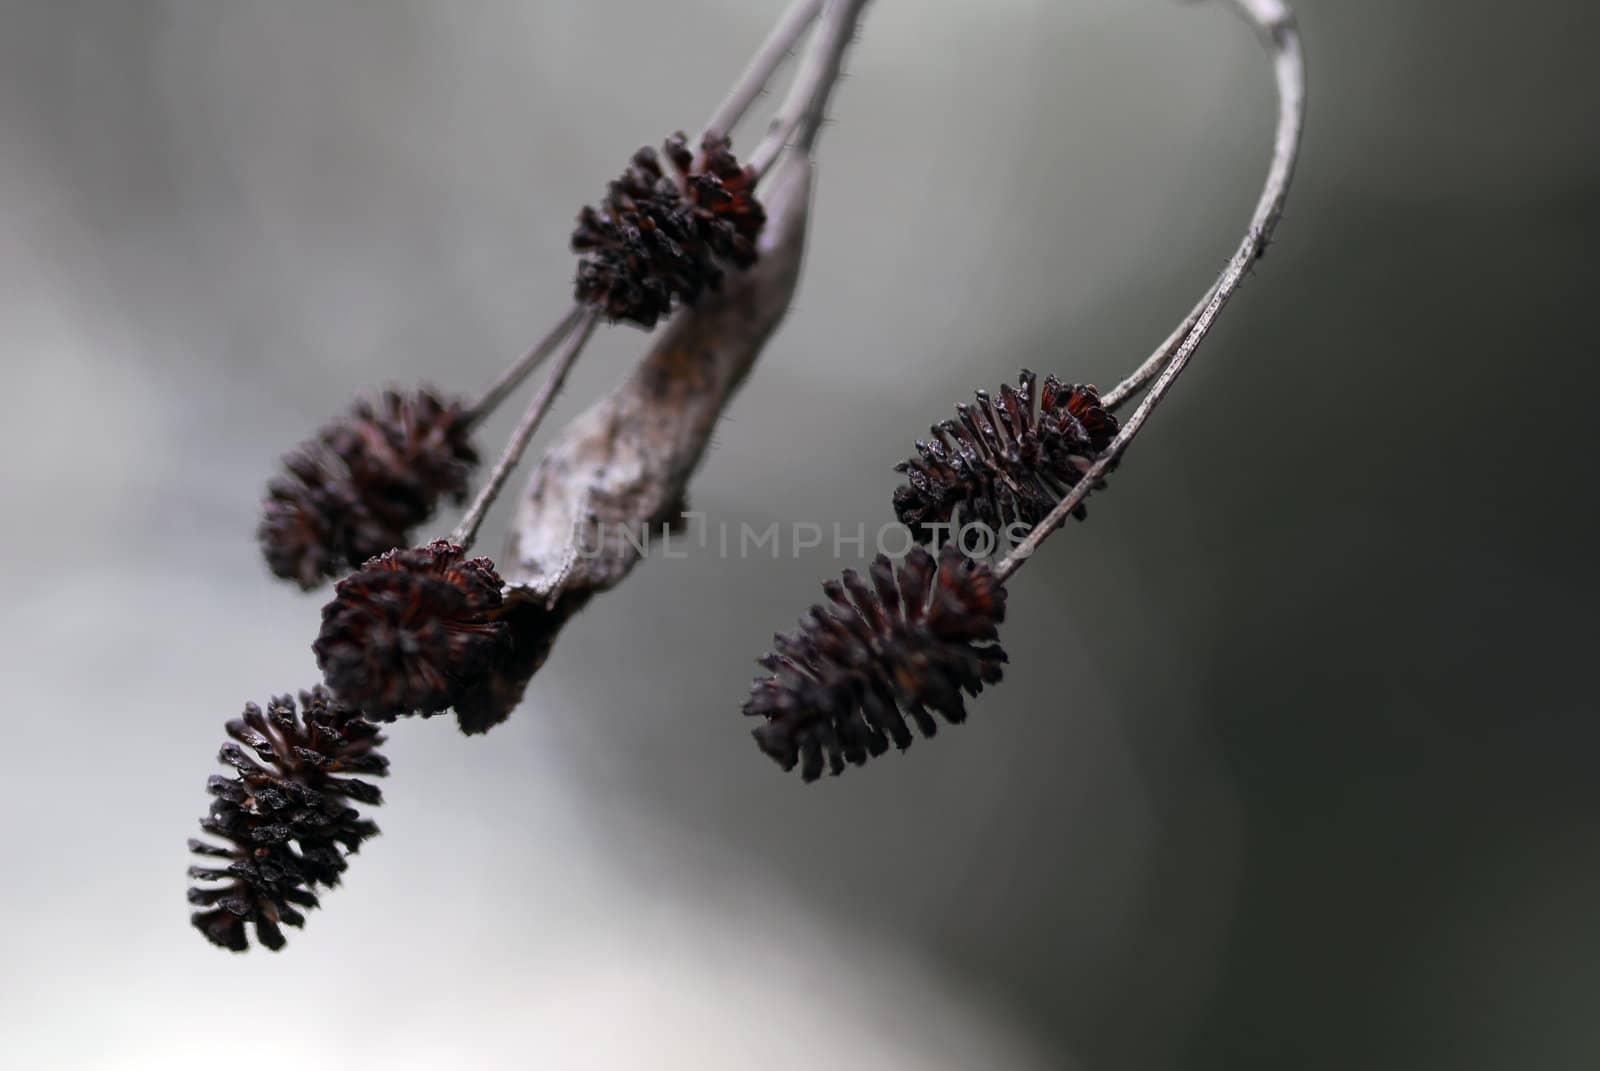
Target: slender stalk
point(763, 65)
point(801, 115)
point(572, 346)
point(512, 377)
point(1275, 23)
point(1157, 360)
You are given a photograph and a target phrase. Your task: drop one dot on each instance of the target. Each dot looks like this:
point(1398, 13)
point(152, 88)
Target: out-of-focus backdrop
point(1293, 767)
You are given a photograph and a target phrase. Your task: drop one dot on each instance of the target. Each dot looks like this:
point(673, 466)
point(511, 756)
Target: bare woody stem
point(1158, 360)
point(512, 377)
point(1275, 24)
point(574, 341)
point(763, 65)
point(801, 115)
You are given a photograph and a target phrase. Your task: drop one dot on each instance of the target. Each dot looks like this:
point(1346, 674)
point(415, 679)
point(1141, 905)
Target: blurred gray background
point(1294, 763)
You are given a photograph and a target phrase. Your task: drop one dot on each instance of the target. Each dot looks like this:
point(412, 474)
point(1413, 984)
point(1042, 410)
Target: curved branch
point(1276, 26)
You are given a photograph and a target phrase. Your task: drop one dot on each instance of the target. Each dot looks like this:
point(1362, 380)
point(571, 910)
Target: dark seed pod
point(285, 815)
point(662, 237)
point(412, 631)
point(1002, 462)
point(363, 484)
point(904, 646)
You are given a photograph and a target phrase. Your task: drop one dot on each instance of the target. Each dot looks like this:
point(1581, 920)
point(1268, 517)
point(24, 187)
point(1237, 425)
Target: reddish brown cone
point(1004, 462)
point(661, 238)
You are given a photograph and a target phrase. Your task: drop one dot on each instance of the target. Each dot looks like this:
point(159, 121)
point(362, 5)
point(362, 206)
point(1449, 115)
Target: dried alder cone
point(1004, 462)
point(412, 631)
point(364, 483)
point(285, 815)
point(908, 643)
point(661, 237)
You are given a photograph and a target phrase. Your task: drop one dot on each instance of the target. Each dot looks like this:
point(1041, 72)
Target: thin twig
point(1158, 360)
point(467, 530)
point(512, 377)
point(763, 65)
point(801, 115)
point(1275, 23)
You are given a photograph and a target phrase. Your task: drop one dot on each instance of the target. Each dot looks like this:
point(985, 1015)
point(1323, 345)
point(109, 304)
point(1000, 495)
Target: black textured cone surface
point(896, 646)
point(364, 484)
point(664, 237)
point(412, 631)
point(284, 817)
point(1003, 461)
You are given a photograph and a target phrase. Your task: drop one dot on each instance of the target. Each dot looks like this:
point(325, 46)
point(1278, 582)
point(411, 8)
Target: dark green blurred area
point(1294, 766)
point(1376, 604)
point(1394, 527)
